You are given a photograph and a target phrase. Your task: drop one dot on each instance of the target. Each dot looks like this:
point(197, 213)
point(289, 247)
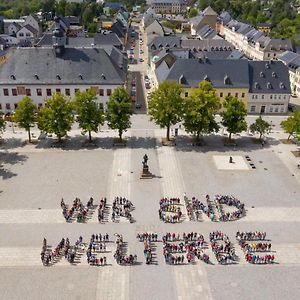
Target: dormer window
point(36, 76)
point(261, 74)
point(281, 85)
point(274, 75)
point(206, 78)
point(103, 76)
point(257, 86)
point(227, 80)
point(58, 77)
point(181, 79)
point(13, 77)
point(269, 86)
point(267, 65)
point(80, 76)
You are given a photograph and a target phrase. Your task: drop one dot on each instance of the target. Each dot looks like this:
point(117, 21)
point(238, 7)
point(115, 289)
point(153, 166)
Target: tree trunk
point(90, 136)
point(289, 136)
point(59, 138)
point(168, 133)
point(29, 136)
point(198, 136)
point(260, 135)
point(120, 134)
point(229, 136)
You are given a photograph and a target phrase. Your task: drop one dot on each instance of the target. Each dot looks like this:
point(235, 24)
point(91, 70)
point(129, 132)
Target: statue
point(144, 162)
point(145, 173)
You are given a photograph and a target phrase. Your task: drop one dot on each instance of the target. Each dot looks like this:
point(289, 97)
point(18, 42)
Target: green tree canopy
point(260, 126)
point(234, 115)
point(89, 115)
point(166, 105)
point(200, 108)
point(291, 125)
point(24, 115)
point(193, 12)
point(56, 116)
point(119, 110)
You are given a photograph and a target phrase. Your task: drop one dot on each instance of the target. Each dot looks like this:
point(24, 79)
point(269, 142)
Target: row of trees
point(167, 108)
point(57, 115)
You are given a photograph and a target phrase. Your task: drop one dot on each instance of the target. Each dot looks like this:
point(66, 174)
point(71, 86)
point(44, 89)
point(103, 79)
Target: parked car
point(133, 88)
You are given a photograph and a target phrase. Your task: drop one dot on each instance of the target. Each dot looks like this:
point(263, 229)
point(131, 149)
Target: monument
point(145, 173)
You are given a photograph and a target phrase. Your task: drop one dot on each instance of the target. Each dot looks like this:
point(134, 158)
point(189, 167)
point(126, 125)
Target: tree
point(56, 116)
point(119, 110)
point(291, 125)
point(234, 115)
point(200, 108)
point(166, 105)
point(2, 122)
point(24, 115)
point(193, 12)
point(261, 126)
point(89, 115)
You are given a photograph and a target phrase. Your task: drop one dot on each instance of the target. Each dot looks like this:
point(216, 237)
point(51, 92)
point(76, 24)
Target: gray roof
point(110, 38)
point(225, 17)
point(206, 45)
point(165, 41)
point(208, 11)
point(206, 32)
point(196, 20)
point(30, 28)
point(194, 71)
point(269, 77)
point(291, 59)
point(90, 63)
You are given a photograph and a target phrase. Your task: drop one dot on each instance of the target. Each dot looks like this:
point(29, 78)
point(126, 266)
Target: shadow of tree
point(6, 159)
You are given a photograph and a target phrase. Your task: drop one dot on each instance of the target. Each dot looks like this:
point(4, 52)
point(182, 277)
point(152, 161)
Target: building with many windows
point(169, 6)
point(41, 72)
point(263, 86)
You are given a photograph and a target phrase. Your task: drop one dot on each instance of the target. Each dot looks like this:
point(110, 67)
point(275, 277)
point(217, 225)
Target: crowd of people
point(120, 256)
point(229, 200)
point(101, 209)
point(191, 244)
point(251, 235)
point(122, 207)
point(260, 245)
point(195, 208)
point(78, 210)
point(63, 248)
point(147, 239)
point(169, 210)
point(222, 247)
point(97, 244)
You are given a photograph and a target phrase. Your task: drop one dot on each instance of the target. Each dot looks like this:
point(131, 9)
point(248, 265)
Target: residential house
point(206, 17)
point(169, 6)
point(26, 35)
point(148, 17)
point(269, 90)
point(39, 72)
point(292, 61)
point(9, 40)
point(11, 26)
point(262, 85)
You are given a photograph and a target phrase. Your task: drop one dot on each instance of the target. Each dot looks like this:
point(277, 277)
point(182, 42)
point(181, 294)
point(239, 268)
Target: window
point(67, 92)
point(28, 92)
point(5, 92)
point(221, 94)
point(101, 92)
point(279, 97)
point(271, 96)
point(186, 94)
point(39, 92)
point(253, 96)
point(101, 106)
point(252, 108)
point(271, 109)
point(7, 105)
point(262, 96)
point(236, 94)
point(58, 91)
point(243, 95)
point(76, 91)
point(108, 92)
point(14, 92)
point(229, 94)
point(275, 97)
point(0, 106)
point(282, 109)
point(16, 105)
point(48, 92)
point(284, 97)
point(276, 109)
point(21, 34)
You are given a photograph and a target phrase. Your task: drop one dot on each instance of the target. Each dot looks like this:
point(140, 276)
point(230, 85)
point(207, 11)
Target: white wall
point(41, 99)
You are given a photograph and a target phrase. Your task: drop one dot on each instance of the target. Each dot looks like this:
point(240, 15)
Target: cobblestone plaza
point(34, 178)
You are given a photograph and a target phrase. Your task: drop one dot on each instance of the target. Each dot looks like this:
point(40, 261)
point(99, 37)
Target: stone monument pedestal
point(146, 174)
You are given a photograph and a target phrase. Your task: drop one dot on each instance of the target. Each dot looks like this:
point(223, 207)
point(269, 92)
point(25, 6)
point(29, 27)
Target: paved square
point(238, 162)
point(34, 179)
